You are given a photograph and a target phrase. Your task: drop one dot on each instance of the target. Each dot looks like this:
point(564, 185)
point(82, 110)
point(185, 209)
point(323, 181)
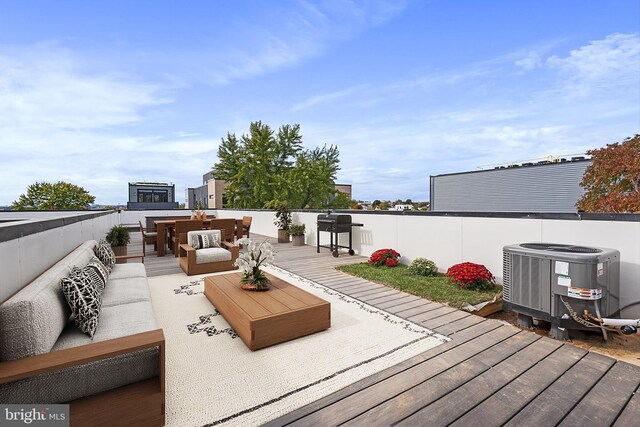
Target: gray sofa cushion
point(128, 270)
point(124, 291)
point(32, 319)
point(116, 321)
point(79, 381)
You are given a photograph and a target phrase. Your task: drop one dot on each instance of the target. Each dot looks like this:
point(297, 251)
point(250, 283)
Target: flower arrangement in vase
point(254, 279)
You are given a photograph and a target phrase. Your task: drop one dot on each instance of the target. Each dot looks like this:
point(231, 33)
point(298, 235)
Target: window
point(153, 196)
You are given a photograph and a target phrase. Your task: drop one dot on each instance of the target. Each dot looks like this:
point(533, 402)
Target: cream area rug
point(212, 378)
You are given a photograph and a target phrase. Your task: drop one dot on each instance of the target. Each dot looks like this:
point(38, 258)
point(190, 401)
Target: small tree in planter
point(118, 238)
point(283, 222)
point(297, 232)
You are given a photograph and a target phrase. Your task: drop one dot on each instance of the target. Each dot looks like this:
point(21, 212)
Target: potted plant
point(118, 238)
point(297, 233)
point(283, 222)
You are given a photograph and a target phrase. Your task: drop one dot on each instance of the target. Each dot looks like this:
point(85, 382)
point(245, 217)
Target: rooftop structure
point(543, 186)
point(152, 195)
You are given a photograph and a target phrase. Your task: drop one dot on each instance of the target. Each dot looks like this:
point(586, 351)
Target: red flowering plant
point(382, 257)
point(468, 275)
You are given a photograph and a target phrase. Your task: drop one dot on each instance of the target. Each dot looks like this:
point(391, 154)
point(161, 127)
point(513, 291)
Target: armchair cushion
point(207, 255)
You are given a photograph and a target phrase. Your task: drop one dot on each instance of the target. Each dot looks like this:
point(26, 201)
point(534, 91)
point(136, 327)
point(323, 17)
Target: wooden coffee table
point(261, 319)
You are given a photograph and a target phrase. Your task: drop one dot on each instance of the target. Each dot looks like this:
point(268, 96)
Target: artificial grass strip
point(434, 288)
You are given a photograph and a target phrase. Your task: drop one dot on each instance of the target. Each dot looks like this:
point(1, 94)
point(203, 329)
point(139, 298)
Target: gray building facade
point(541, 187)
point(151, 195)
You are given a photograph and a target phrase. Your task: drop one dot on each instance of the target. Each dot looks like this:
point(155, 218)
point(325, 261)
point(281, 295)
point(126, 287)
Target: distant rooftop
point(149, 183)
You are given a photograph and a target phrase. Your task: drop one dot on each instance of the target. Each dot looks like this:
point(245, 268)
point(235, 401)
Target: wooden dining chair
point(149, 235)
point(184, 226)
point(246, 225)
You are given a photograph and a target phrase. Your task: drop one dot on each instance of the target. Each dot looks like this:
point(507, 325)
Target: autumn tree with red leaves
point(612, 181)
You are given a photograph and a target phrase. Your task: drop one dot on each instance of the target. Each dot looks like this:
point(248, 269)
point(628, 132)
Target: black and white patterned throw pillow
point(105, 254)
point(193, 241)
point(208, 241)
point(98, 272)
point(84, 299)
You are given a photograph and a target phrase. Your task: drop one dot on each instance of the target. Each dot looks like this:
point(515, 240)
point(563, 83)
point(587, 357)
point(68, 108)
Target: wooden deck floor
point(490, 373)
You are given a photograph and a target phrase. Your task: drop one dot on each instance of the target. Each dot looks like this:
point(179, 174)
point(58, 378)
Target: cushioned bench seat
point(37, 320)
point(125, 291)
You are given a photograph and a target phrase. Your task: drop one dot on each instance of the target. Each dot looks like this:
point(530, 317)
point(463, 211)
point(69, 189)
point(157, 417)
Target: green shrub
point(423, 267)
point(296, 230)
point(118, 236)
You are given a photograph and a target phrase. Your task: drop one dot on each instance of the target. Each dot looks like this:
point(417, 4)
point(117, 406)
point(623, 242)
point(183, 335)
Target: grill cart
point(335, 224)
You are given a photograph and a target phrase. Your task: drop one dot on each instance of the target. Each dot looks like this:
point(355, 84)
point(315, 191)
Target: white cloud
point(534, 60)
point(286, 39)
point(44, 86)
point(602, 64)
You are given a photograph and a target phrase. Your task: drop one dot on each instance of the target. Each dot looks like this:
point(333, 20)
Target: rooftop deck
point(490, 373)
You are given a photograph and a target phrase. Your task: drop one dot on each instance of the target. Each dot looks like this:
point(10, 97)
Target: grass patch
point(435, 288)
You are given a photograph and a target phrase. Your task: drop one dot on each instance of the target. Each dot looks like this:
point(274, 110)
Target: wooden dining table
point(167, 225)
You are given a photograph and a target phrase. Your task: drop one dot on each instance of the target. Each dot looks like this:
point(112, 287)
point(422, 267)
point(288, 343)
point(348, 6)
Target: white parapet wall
point(445, 239)
point(34, 241)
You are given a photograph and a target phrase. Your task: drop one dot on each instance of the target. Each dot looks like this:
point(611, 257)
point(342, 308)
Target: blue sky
point(105, 93)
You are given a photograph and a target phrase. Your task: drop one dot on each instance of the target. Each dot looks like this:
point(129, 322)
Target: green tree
point(375, 204)
point(264, 167)
point(310, 182)
point(384, 206)
point(58, 196)
point(340, 200)
point(612, 180)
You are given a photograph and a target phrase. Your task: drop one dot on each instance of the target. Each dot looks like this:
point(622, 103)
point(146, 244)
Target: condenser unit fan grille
point(560, 248)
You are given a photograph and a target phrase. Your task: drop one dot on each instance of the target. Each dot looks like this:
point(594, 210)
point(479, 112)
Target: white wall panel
point(71, 235)
point(437, 239)
point(482, 239)
point(40, 251)
point(10, 271)
point(25, 258)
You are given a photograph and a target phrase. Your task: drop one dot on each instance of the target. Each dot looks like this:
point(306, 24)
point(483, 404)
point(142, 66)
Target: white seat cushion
point(207, 255)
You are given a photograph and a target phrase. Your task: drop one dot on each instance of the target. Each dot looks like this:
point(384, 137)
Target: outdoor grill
point(334, 224)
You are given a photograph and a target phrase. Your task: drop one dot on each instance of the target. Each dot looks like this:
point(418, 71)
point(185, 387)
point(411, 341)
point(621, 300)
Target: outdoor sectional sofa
point(115, 377)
